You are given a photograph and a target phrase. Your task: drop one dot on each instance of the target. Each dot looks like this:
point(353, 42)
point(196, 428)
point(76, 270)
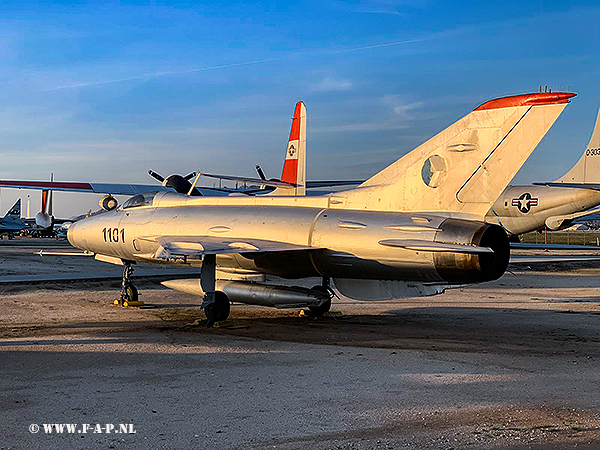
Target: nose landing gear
point(129, 292)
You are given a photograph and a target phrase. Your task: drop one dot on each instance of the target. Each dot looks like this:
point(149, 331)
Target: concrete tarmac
point(509, 364)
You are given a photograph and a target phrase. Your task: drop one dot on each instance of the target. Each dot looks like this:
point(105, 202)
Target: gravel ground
point(509, 364)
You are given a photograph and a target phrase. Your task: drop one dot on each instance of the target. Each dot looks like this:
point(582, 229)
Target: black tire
point(219, 310)
point(319, 311)
point(131, 293)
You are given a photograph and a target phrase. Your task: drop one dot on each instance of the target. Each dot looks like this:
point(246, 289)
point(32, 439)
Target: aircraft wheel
point(130, 293)
point(219, 310)
point(318, 311)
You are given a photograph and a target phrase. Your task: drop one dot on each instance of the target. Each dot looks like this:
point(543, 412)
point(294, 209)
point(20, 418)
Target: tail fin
point(44, 203)
point(294, 166)
point(15, 211)
point(587, 169)
point(464, 168)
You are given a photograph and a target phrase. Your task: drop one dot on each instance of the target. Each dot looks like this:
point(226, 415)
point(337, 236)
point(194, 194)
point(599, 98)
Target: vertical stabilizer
point(587, 169)
point(14, 212)
point(294, 166)
point(465, 167)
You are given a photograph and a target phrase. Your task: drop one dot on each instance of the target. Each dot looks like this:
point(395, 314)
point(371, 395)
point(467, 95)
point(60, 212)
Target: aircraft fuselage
point(342, 243)
point(527, 208)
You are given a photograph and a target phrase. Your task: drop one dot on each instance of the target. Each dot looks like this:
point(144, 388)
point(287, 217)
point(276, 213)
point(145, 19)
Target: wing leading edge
point(104, 188)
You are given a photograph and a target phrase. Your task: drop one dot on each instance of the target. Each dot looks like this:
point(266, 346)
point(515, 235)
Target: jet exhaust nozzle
point(43, 220)
point(472, 268)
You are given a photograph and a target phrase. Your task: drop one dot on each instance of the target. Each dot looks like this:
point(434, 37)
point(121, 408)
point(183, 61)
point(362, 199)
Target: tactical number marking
point(113, 234)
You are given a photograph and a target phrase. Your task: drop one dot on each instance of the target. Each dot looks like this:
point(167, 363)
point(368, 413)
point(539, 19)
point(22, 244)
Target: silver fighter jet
point(12, 222)
point(413, 229)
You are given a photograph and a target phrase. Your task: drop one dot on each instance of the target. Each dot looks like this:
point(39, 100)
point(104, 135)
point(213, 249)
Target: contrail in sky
point(389, 44)
point(160, 74)
point(245, 63)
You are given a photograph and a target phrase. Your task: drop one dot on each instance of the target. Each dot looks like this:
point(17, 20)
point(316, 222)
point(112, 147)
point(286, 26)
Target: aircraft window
point(139, 200)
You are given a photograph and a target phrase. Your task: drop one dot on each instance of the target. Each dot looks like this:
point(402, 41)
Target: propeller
point(156, 176)
point(260, 172)
point(181, 184)
point(263, 177)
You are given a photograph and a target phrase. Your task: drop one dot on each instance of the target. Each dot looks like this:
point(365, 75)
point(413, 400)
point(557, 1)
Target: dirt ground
point(507, 364)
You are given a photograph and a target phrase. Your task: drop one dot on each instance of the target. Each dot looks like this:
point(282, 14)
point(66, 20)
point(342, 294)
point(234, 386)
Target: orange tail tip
point(295, 131)
point(541, 98)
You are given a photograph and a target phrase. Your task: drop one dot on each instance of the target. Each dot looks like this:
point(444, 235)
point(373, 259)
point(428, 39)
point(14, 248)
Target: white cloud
point(400, 107)
point(398, 117)
point(331, 84)
point(378, 11)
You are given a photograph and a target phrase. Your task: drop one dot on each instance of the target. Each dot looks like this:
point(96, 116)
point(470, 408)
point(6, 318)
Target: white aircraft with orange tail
point(415, 228)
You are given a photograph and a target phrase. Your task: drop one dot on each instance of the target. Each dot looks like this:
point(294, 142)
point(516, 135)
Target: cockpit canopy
point(140, 200)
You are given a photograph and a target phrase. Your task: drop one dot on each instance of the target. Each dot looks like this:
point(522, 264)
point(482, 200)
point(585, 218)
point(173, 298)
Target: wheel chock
point(195, 323)
point(116, 302)
point(224, 324)
point(128, 304)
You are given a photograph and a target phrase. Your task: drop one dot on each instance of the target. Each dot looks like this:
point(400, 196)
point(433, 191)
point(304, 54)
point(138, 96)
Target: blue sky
point(106, 92)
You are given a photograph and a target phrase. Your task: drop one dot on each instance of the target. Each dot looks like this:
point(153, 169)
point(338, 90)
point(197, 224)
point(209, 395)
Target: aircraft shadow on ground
point(461, 329)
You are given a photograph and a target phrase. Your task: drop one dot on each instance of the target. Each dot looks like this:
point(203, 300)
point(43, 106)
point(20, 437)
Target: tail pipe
point(472, 268)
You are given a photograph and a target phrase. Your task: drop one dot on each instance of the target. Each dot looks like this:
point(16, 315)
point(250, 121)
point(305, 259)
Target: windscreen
point(139, 200)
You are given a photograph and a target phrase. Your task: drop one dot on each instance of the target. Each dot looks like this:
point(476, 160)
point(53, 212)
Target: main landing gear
point(324, 288)
point(129, 292)
point(215, 303)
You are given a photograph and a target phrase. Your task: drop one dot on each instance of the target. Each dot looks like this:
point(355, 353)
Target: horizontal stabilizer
point(527, 246)
point(283, 184)
point(274, 183)
point(557, 222)
point(428, 246)
point(592, 186)
point(546, 259)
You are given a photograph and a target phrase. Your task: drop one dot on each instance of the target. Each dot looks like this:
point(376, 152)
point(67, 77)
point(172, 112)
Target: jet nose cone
point(73, 236)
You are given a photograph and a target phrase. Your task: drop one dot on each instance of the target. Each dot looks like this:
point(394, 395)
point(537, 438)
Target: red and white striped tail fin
point(294, 166)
